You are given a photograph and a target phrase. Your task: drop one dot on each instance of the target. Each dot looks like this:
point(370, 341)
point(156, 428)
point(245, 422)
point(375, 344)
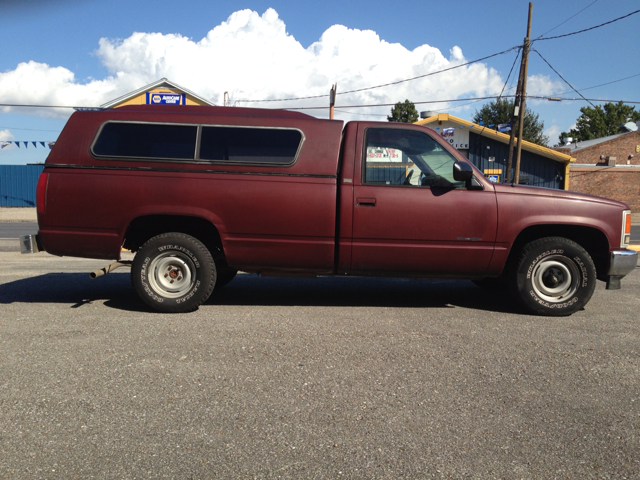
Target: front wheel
point(554, 276)
point(173, 272)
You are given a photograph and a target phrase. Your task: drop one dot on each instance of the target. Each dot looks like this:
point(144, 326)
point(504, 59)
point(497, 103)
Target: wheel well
point(142, 229)
point(591, 239)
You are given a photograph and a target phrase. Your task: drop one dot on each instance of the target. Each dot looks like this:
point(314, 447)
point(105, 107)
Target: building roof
point(590, 143)
point(498, 136)
point(162, 83)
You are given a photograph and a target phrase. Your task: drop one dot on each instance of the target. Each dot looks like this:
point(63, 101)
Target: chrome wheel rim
point(172, 274)
point(555, 279)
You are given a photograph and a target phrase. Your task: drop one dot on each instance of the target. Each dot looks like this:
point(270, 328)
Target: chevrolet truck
point(200, 193)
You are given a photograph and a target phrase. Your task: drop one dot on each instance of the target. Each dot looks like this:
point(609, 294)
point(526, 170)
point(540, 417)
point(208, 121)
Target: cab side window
point(400, 157)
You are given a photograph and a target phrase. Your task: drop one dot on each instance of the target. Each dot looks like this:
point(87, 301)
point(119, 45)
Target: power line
point(426, 102)
point(558, 73)
point(603, 84)
point(454, 67)
point(515, 60)
point(385, 84)
point(587, 29)
point(40, 106)
point(30, 129)
point(432, 73)
point(537, 97)
point(585, 99)
point(575, 15)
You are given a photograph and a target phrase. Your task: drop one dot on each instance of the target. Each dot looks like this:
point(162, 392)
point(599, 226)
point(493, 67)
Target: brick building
point(607, 167)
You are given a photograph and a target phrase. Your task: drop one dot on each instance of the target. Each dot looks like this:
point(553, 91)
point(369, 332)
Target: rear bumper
point(30, 244)
point(622, 263)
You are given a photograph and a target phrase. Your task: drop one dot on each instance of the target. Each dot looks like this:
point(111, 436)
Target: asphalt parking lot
point(311, 378)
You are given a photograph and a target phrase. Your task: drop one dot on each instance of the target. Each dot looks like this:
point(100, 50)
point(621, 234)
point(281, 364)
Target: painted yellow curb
point(634, 247)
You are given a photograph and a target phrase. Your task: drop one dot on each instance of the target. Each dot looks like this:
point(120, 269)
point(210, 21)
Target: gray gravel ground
point(311, 378)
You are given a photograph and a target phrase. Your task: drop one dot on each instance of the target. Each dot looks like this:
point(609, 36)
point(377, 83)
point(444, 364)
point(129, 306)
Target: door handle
point(365, 202)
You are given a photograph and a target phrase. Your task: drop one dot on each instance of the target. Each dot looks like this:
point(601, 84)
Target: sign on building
point(456, 136)
point(160, 98)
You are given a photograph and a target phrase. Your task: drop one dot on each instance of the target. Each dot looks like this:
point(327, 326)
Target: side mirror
point(462, 172)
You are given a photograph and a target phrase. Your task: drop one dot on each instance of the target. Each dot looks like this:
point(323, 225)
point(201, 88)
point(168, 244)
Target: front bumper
point(622, 263)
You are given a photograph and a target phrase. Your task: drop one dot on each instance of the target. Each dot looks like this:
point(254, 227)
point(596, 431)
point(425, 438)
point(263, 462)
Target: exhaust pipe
point(110, 268)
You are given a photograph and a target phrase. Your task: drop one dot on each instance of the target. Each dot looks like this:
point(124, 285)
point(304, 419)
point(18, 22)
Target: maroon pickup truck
point(199, 193)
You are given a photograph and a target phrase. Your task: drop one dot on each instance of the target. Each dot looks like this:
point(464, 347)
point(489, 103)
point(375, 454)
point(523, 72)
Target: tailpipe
point(110, 268)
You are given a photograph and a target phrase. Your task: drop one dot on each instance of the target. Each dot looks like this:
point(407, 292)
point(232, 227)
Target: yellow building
point(161, 92)
point(488, 150)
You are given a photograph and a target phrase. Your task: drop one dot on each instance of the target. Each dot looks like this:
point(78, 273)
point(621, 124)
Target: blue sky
point(76, 52)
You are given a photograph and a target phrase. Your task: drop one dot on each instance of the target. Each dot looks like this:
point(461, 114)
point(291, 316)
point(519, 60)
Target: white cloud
point(6, 135)
point(252, 56)
point(553, 132)
point(542, 85)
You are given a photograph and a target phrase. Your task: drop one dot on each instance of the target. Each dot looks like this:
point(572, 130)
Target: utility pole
point(514, 121)
point(525, 58)
point(332, 99)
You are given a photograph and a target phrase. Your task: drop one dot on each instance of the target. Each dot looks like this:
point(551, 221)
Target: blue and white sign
point(457, 136)
point(159, 98)
point(493, 178)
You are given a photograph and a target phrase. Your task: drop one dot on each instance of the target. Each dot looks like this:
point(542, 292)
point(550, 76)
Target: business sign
point(379, 154)
point(493, 178)
point(456, 136)
point(159, 98)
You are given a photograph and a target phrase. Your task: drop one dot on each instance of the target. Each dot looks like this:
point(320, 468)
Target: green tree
point(601, 121)
point(404, 112)
point(501, 110)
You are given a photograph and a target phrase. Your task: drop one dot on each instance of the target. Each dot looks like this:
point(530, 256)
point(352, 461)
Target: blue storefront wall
point(535, 169)
point(18, 185)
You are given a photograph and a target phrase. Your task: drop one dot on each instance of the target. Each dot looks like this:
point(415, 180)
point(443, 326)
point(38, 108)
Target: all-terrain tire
point(173, 273)
point(554, 276)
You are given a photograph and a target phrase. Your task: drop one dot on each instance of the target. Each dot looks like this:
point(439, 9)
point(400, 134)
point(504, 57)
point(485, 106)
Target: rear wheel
point(554, 276)
point(173, 272)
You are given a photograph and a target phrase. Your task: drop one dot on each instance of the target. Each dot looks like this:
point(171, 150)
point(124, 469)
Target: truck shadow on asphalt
point(115, 290)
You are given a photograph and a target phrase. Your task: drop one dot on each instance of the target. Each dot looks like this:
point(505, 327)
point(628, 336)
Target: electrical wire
point(386, 84)
point(432, 73)
point(540, 97)
point(601, 85)
point(454, 67)
point(361, 114)
point(37, 106)
point(503, 88)
point(30, 129)
point(587, 29)
point(558, 73)
point(594, 1)
point(426, 102)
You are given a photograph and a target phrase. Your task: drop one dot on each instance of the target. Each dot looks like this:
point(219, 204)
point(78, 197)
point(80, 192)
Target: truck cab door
point(410, 215)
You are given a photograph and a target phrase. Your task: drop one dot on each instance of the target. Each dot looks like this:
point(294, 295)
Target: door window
point(400, 157)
